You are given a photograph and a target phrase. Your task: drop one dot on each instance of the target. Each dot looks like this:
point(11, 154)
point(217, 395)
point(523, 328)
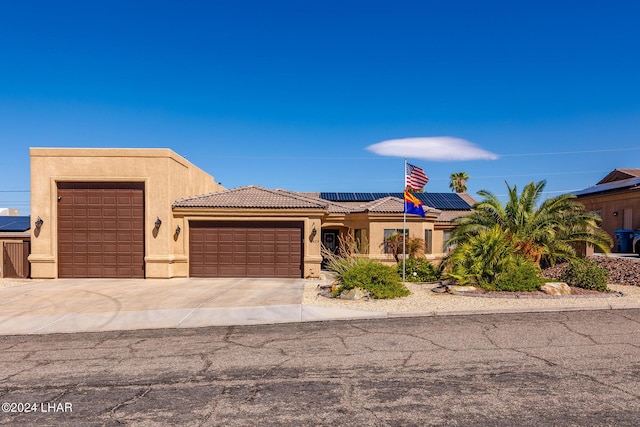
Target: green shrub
point(522, 276)
point(339, 264)
point(481, 258)
point(585, 274)
point(380, 280)
point(419, 270)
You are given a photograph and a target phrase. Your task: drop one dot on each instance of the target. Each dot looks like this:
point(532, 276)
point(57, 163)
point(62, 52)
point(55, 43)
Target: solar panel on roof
point(15, 223)
point(442, 201)
point(445, 201)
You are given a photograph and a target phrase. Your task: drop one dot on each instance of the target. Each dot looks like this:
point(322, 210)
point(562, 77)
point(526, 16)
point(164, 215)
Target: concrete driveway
point(92, 305)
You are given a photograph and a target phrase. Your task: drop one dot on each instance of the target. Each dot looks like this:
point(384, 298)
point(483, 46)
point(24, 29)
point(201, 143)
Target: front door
point(330, 240)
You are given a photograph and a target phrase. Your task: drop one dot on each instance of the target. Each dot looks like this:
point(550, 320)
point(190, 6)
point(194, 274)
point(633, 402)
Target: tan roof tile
point(332, 207)
point(389, 205)
point(251, 197)
point(450, 216)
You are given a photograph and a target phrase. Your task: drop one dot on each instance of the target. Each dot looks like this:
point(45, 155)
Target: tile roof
point(251, 197)
point(14, 223)
point(389, 205)
point(384, 205)
point(255, 197)
point(332, 207)
point(468, 198)
point(450, 216)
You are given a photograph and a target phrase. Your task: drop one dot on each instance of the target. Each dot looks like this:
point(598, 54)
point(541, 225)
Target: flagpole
point(404, 222)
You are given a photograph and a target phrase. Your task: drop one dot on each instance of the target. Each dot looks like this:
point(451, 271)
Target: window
point(428, 241)
point(361, 241)
point(388, 232)
point(446, 235)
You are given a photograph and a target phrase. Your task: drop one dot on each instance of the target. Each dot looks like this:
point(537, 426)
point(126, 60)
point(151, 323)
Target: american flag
point(415, 178)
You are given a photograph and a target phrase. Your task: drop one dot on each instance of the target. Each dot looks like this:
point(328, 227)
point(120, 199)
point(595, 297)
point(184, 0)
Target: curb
point(400, 314)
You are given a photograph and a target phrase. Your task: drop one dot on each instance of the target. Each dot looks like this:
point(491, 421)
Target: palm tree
point(481, 258)
point(540, 232)
point(458, 182)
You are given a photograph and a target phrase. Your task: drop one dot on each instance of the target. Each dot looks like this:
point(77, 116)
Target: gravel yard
point(422, 300)
point(624, 277)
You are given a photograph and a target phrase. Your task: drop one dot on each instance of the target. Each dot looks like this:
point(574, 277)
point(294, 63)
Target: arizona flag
point(412, 205)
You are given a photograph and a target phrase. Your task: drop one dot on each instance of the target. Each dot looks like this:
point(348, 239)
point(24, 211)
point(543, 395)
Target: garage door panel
point(94, 202)
point(80, 225)
point(225, 259)
point(268, 258)
point(253, 271)
point(106, 271)
point(109, 219)
point(110, 225)
point(124, 225)
point(109, 235)
point(245, 249)
point(239, 248)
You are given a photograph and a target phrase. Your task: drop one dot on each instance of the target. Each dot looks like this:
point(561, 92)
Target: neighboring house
point(616, 198)
point(150, 213)
point(14, 244)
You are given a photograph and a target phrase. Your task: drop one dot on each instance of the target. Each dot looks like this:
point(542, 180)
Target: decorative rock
point(461, 289)
point(353, 294)
point(556, 288)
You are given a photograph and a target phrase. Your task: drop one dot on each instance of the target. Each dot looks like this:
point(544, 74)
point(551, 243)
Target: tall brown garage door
point(245, 249)
point(101, 230)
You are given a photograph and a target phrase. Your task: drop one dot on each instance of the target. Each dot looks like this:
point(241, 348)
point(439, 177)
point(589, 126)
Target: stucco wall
point(166, 175)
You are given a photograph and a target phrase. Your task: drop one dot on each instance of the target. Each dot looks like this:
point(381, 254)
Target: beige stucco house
point(151, 213)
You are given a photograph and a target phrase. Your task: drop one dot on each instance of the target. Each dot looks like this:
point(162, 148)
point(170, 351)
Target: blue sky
point(289, 94)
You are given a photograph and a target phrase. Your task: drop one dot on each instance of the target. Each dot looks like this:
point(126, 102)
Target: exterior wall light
point(314, 232)
point(177, 230)
point(39, 223)
point(158, 223)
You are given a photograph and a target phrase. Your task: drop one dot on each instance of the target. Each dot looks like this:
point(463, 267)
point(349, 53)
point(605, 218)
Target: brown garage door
point(245, 249)
point(101, 230)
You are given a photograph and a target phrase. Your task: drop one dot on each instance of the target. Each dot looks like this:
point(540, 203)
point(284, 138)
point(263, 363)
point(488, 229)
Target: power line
point(550, 153)
point(569, 152)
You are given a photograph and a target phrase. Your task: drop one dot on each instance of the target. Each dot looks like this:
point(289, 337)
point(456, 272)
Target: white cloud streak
point(438, 148)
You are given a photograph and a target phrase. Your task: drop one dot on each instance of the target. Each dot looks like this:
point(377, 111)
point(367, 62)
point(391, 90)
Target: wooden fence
point(15, 263)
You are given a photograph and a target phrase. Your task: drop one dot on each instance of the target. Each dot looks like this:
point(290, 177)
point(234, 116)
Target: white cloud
point(438, 148)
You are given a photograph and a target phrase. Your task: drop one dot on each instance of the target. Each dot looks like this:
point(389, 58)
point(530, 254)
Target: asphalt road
point(538, 369)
